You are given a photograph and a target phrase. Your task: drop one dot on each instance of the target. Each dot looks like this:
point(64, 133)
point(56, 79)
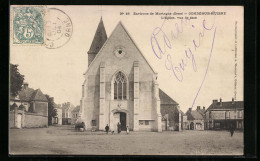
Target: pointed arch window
point(120, 86)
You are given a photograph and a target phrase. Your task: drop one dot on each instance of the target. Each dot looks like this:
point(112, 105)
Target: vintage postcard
point(126, 80)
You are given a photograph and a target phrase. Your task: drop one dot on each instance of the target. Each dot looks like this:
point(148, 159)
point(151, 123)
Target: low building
point(67, 108)
point(184, 121)
point(171, 113)
point(220, 115)
point(28, 109)
point(75, 114)
point(58, 118)
point(195, 118)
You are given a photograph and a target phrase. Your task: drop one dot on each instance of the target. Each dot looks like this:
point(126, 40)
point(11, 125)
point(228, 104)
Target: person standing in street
point(83, 126)
point(118, 128)
point(107, 129)
point(232, 129)
point(127, 130)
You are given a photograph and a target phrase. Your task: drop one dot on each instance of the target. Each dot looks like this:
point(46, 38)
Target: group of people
point(119, 129)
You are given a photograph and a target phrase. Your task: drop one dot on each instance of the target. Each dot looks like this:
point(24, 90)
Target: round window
point(119, 52)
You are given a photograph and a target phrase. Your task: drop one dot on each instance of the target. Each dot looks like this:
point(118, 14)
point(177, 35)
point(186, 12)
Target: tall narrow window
point(239, 114)
point(124, 90)
point(227, 114)
point(120, 84)
point(115, 90)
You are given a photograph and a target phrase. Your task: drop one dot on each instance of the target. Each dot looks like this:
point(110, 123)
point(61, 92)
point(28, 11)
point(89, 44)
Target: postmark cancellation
point(58, 28)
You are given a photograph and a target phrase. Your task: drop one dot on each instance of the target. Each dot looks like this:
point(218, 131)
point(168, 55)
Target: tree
point(52, 112)
point(16, 80)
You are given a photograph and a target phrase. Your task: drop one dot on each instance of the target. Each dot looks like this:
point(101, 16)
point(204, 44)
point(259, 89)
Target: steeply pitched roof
point(76, 109)
point(227, 105)
point(194, 115)
point(38, 96)
point(201, 111)
point(99, 38)
point(25, 94)
point(117, 28)
point(165, 99)
point(29, 94)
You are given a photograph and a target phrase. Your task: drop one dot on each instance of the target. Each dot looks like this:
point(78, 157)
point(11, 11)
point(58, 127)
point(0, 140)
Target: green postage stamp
point(28, 25)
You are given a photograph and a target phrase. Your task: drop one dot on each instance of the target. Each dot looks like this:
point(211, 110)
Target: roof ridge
point(119, 23)
point(164, 93)
point(38, 93)
point(33, 94)
point(135, 44)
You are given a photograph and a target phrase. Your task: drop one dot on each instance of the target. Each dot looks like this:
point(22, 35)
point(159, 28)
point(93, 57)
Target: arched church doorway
point(120, 117)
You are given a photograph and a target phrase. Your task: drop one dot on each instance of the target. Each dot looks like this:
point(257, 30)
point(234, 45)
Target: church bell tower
point(98, 41)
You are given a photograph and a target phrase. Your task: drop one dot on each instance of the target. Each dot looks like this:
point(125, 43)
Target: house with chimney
point(196, 118)
point(28, 109)
point(222, 115)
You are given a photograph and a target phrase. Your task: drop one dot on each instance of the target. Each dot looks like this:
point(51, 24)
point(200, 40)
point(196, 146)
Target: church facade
point(120, 85)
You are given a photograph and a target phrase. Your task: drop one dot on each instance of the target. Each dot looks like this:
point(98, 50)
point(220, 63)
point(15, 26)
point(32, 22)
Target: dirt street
point(65, 140)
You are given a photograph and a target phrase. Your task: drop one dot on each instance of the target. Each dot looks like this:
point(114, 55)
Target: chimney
point(25, 85)
point(220, 101)
point(203, 107)
point(189, 109)
point(233, 101)
point(198, 107)
point(214, 101)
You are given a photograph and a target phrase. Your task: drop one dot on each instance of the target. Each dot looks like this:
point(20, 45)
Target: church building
point(120, 85)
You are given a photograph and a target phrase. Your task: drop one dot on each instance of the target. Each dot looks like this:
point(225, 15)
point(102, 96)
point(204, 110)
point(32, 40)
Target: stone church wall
point(92, 102)
point(113, 64)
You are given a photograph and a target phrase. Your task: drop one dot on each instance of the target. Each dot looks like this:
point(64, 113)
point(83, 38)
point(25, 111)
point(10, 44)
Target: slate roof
point(76, 109)
point(99, 38)
point(194, 115)
point(29, 94)
point(25, 94)
point(38, 96)
point(165, 99)
point(201, 111)
point(227, 105)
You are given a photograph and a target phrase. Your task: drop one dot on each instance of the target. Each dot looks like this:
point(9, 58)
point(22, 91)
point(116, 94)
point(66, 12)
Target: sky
point(211, 75)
